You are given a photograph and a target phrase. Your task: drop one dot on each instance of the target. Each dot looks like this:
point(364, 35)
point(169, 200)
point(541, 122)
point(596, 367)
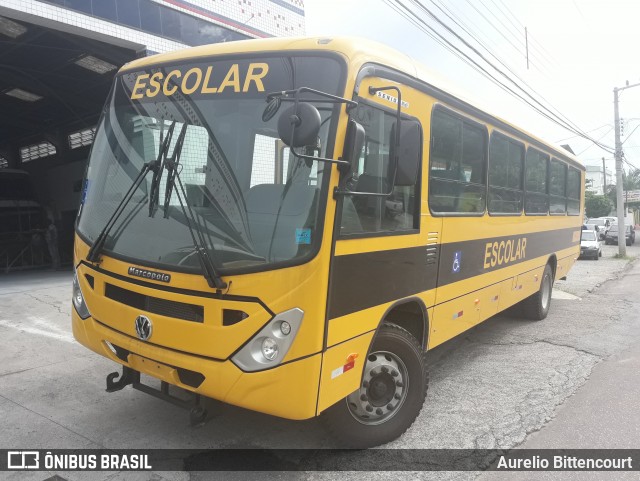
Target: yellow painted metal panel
point(334, 385)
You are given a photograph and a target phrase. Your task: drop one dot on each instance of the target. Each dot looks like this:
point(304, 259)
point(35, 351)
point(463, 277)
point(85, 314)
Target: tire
point(599, 253)
point(596, 258)
point(373, 414)
point(536, 307)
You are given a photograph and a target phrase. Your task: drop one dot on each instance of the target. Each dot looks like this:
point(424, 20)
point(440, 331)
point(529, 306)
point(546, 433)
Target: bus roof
point(357, 51)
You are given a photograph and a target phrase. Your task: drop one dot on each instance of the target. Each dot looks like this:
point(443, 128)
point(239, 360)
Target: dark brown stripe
point(360, 281)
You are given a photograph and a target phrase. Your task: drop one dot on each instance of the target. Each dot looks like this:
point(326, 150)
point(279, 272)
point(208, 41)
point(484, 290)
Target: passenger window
point(506, 161)
point(364, 214)
point(573, 191)
point(457, 169)
point(557, 187)
point(536, 198)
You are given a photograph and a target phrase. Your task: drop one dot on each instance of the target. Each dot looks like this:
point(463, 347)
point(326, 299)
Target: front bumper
point(288, 390)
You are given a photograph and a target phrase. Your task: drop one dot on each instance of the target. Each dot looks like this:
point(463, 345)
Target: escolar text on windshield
point(200, 80)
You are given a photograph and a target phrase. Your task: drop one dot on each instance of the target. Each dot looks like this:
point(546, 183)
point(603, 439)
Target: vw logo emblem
point(144, 327)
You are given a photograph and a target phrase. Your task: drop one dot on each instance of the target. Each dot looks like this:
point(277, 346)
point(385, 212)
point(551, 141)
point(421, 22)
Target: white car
point(600, 224)
point(590, 245)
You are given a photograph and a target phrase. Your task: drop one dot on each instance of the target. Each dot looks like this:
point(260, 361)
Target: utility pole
point(622, 247)
point(604, 177)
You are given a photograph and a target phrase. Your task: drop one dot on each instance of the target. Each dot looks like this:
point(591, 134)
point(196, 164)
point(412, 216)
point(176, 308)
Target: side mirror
point(353, 144)
point(409, 153)
point(299, 125)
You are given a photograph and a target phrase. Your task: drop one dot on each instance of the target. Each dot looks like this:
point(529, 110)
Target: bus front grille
point(164, 307)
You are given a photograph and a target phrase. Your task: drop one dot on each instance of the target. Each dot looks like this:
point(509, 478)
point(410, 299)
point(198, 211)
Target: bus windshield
point(256, 205)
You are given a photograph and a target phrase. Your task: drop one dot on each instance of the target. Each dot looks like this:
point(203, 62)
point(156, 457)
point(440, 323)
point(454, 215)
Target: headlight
point(78, 298)
point(270, 345)
point(285, 328)
point(269, 348)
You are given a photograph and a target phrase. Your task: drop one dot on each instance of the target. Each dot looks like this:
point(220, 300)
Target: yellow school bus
point(288, 225)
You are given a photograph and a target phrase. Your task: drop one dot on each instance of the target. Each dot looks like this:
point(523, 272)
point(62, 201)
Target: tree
point(630, 181)
point(597, 205)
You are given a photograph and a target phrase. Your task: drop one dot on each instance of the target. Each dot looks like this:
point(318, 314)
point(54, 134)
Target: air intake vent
point(232, 316)
point(178, 310)
point(432, 248)
point(190, 378)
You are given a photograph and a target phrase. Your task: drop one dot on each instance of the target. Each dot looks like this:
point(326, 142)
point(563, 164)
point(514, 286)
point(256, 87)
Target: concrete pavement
point(492, 387)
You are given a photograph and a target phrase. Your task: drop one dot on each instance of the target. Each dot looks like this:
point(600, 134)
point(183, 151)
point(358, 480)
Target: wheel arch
point(410, 314)
point(553, 262)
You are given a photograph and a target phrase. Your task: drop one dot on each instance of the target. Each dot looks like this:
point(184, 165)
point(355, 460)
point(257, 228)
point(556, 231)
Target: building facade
point(58, 59)
point(163, 25)
point(597, 179)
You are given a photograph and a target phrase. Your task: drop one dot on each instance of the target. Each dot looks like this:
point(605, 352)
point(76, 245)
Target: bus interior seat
point(262, 208)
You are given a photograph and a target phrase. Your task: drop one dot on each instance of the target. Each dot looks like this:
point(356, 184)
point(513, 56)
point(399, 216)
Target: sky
point(579, 50)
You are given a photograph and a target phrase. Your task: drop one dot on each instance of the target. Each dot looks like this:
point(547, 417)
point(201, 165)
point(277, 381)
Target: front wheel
point(536, 307)
point(391, 393)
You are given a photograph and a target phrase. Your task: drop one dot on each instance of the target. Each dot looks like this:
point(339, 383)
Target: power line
point(605, 134)
point(588, 132)
point(474, 35)
point(628, 136)
point(533, 40)
point(557, 118)
point(497, 29)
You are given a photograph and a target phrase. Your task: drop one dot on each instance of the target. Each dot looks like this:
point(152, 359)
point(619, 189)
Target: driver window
point(368, 214)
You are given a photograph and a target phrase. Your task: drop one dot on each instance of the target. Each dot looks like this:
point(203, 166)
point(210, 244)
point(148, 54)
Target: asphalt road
point(506, 383)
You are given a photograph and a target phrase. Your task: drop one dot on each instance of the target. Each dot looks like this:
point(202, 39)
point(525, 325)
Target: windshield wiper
point(96, 247)
point(159, 167)
point(209, 270)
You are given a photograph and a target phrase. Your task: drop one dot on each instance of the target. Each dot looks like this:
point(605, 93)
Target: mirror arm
point(320, 159)
point(337, 191)
point(293, 95)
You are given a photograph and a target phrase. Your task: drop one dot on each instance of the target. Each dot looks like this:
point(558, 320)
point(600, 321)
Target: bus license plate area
point(153, 368)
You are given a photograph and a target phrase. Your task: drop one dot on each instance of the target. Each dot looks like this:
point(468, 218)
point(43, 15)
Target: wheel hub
point(383, 390)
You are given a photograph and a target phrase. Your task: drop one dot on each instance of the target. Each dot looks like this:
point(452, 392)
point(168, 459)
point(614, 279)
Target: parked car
point(611, 237)
point(600, 224)
point(590, 245)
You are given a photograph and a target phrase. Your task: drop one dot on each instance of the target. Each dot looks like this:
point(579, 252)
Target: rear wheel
point(391, 393)
point(536, 307)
